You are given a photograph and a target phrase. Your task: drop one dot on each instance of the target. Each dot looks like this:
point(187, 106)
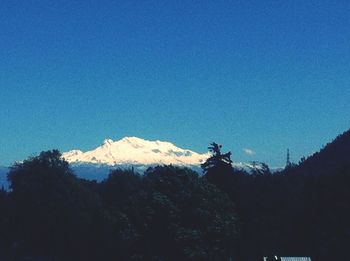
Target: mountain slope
point(334, 157)
point(136, 151)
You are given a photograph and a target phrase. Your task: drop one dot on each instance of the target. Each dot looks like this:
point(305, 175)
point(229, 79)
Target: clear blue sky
point(262, 75)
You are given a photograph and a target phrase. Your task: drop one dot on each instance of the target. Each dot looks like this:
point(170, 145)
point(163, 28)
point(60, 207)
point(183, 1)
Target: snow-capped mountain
point(136, 151)
point(139, 154)
point(131, 152)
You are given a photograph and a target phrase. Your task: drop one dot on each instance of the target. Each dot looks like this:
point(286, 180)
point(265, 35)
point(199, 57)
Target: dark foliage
point(50, 210)
point(171, 213)
point(218, 168)
point(301, 211)
point(192, 220)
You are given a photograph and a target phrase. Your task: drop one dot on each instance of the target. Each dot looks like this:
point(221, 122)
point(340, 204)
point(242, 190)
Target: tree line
point(172, 213)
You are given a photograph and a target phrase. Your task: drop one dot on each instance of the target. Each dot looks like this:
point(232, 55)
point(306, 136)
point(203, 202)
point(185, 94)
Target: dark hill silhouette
point(334, 157)
point(3, 177)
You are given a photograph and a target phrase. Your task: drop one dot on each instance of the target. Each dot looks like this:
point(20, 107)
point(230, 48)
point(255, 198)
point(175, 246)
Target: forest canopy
point(173, 213)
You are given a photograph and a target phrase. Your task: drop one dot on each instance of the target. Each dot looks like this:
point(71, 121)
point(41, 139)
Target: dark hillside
point(334, 157)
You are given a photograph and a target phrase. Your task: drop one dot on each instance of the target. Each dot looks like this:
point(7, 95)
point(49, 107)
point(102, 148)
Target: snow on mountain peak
point(132, 139)
point(133, 150)
point(107, 142)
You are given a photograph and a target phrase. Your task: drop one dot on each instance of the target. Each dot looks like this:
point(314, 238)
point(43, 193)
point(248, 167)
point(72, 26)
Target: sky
point(257, 76)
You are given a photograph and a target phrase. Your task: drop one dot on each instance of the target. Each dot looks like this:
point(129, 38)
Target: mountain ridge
point(332, 157)
point(136, 151)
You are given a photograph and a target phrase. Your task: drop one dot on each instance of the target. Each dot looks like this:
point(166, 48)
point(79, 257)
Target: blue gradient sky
point(262, 75)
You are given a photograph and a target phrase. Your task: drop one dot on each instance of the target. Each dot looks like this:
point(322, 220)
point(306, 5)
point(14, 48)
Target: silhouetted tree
point(259, 168)
point(218, 167)
point(52, 211)
point(191, 218)
point(217, 160)
point(4, 219)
